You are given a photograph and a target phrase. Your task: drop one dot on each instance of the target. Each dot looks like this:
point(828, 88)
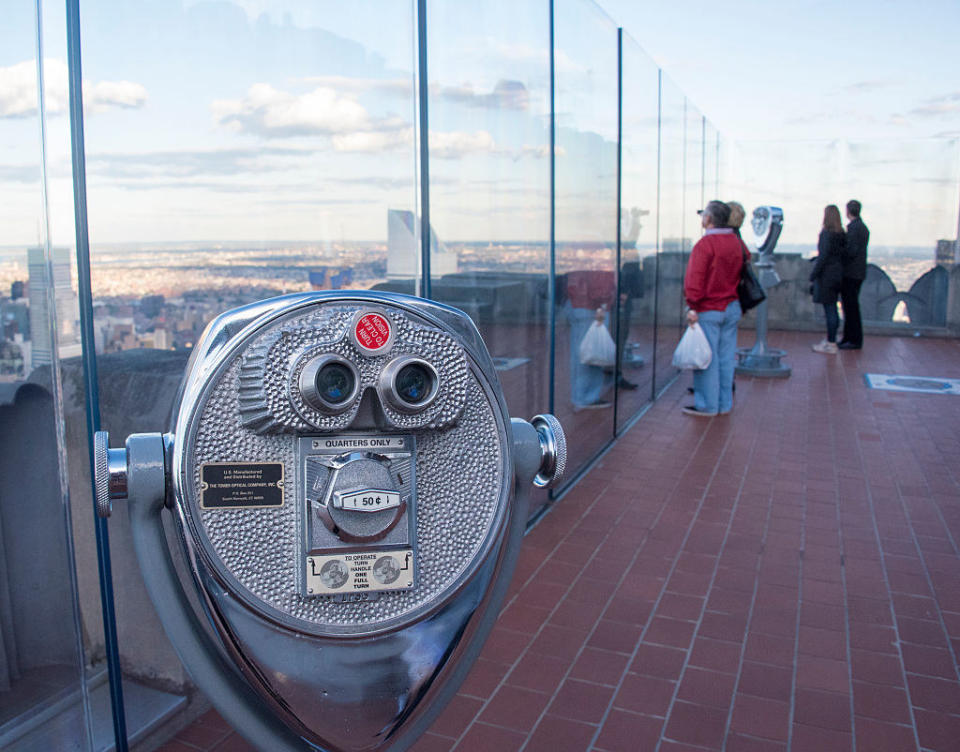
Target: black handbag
point(749, 290)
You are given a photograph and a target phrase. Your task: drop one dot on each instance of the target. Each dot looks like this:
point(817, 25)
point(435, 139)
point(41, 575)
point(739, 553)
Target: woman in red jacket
point(710, 287)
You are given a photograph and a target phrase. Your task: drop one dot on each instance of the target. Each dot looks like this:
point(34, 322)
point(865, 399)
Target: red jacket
point(714, 271)
point(591, 289)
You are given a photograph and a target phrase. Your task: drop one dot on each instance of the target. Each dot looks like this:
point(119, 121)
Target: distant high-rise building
point(329, 278)
point(946, 253)
point(162, 339)
point(67, 308)
point(403, 248)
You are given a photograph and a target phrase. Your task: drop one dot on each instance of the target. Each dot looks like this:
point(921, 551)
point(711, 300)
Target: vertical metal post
point(703, 161)
point(656, 285)
point(683, 190)
point(956, 243)
point(424, 91)
point(619, 301)
point(717, 169)
point(552, 282)
point(90, 366)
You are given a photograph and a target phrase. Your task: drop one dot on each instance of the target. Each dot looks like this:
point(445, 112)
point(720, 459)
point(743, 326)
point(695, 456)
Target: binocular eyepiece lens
point(408, 384)
point(329, 384)
point(335, 383)
point(414, 383)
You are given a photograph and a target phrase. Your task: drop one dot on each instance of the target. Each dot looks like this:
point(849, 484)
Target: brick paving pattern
point(783, 578)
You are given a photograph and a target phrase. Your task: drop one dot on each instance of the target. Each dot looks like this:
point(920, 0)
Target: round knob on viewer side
point(553, 445)
point(110, 473)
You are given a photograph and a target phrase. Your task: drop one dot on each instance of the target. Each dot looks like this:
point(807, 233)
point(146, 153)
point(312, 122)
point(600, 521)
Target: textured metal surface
point(460, 470)
point(269, 392)
point(101, 442)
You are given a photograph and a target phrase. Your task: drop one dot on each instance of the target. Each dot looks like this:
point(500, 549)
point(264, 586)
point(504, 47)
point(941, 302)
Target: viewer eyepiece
point(409, 384)
point(329, 384)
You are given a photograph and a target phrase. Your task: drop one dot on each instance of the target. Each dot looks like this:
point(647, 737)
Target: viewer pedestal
point(761, 360)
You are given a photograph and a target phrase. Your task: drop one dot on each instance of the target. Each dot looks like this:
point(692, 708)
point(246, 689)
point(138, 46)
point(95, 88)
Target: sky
point(273, 120)
point(808, 69)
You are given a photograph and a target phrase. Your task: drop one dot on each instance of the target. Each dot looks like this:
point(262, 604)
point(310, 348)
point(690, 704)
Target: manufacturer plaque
point(232, 485)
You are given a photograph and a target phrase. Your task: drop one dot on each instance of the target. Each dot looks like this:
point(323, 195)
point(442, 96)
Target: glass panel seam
point(90, 364)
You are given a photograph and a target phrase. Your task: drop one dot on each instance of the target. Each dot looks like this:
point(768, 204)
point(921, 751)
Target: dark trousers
point(850, 299)
point(833, 321)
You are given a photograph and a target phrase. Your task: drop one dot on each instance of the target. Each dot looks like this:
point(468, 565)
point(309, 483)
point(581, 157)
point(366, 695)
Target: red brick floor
point(784, 578)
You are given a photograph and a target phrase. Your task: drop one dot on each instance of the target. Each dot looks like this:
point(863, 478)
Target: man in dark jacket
point(854, 272)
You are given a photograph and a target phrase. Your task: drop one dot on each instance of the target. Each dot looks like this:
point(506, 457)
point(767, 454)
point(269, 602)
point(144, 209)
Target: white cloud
point(540, 151)
point(864, 87)
point(188, 164)
point(455, 144)
point(270, 113)
point(506, 95)
point(401, 87)
point(19, 173)
point(948, 104)
point(103, 95)
point(18, 91)
point(373, 141)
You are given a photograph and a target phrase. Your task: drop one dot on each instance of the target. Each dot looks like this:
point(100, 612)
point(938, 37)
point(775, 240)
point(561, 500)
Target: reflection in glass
point(586, 216)
point(490, 183)
point(43, 693)
point(638, 230)
point(674, 240)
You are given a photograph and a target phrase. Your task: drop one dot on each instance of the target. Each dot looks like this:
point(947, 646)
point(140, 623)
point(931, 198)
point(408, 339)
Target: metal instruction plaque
point(360, 571)
point(239, 485)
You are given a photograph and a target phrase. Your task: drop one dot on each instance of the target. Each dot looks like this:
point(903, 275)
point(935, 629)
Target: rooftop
point(783, 578)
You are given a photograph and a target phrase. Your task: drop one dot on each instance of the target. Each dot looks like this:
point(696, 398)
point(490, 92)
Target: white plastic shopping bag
point(597, 347)
point(694, 351)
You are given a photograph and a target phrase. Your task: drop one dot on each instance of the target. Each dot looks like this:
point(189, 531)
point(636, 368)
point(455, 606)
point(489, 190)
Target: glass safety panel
point(489, 104)
point(43, 686)
point(638, 230)
point(586, 225)
point(674, 228)
point(489, 167)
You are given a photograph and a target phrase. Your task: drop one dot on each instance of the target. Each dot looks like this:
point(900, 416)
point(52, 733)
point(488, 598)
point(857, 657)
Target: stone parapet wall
point(932, 303)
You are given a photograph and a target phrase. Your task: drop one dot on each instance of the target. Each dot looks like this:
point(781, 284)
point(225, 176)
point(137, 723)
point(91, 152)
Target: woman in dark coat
point(827, 275)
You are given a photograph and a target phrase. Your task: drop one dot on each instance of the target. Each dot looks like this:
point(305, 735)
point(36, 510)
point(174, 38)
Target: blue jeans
point(713, 386)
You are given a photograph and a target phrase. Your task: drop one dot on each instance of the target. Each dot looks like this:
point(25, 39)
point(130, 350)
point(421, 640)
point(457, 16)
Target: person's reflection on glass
point(589, 297)
point(631, 285)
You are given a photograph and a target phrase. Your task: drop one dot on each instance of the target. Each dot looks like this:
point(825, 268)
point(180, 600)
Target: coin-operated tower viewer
point(349, 494)
point(761, 359)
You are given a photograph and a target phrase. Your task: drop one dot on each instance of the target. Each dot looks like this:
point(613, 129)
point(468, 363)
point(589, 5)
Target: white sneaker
point(828, 348)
